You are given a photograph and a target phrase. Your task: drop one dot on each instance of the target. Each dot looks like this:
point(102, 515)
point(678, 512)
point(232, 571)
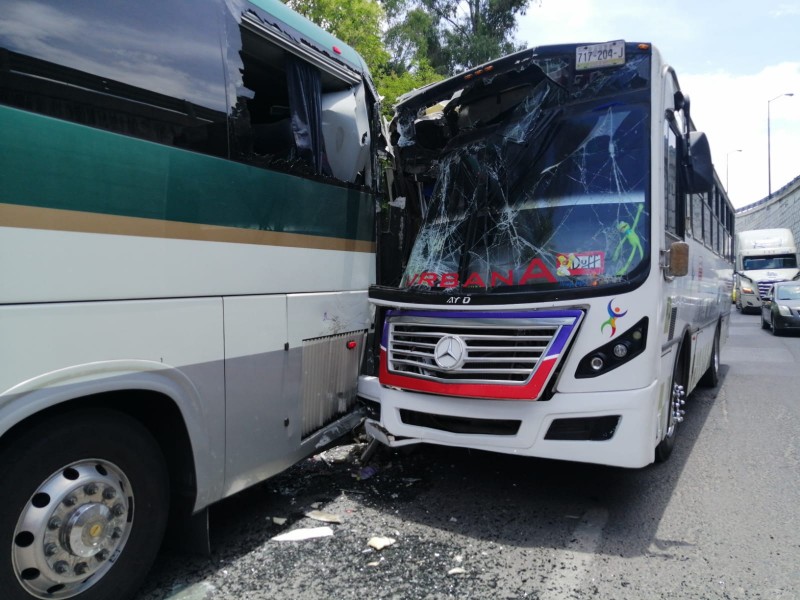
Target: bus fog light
point(620, 350)
point(597, 363)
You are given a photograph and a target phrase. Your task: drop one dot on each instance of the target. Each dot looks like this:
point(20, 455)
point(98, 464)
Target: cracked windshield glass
point(534, 179)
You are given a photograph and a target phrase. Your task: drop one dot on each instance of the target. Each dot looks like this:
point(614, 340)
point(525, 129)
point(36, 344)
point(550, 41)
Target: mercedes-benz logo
point(450, 352)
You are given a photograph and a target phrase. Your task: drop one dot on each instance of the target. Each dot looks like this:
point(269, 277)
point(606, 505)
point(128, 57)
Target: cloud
point(732, 110)
point(729, 91)
point(785, 10)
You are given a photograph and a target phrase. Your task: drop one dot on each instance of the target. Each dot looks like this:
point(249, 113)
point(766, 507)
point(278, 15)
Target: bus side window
point(81, 64)
point(674, 202)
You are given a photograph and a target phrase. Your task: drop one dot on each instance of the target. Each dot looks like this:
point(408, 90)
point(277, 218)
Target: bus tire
point(84, 505)
point(674, 411)
point(710, 378)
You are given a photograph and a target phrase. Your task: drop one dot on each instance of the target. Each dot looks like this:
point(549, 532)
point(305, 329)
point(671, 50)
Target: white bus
point(187, 236)
point(563, 273)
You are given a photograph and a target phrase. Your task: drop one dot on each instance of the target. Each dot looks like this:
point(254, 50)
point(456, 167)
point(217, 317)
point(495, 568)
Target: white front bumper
point(632, 444)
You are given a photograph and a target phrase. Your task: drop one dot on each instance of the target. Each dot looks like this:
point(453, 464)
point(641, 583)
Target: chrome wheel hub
point(72, 529)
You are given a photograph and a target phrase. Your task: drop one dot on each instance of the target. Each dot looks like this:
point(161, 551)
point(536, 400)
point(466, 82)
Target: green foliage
point(452, 36)
point(392, 84)
point(410, 43)
point(356, 22)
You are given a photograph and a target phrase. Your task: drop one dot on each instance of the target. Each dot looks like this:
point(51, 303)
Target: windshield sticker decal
point(614, 313)
point(629, 235)
point(580, 263)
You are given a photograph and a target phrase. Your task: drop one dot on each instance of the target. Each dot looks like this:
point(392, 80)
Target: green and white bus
point(187, 201)
point(555, 263)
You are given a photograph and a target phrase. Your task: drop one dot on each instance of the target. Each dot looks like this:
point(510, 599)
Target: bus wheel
point(711, 377)
point(674, 412)
point(84, 503)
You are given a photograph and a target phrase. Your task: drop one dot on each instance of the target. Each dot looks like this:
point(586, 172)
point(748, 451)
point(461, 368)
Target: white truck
point(763, 256)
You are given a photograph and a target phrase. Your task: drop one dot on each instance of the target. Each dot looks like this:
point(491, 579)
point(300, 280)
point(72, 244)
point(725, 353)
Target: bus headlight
point(615, 353)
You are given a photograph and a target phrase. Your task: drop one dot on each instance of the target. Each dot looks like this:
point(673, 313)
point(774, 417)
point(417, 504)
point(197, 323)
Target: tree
point(355, 22)
point(358, 23)
point(450, 36)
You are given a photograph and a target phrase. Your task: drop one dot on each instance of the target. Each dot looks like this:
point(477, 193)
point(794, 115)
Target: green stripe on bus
point(118, 175)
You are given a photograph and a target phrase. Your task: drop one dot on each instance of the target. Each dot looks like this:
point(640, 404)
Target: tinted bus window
point(149, 69)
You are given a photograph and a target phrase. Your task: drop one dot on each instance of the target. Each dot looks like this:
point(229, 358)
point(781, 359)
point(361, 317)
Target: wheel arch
point(187, 425)
point(156, 411)
point(164, 402)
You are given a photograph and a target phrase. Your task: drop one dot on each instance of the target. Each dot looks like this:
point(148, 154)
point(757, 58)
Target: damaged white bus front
point(523, 283)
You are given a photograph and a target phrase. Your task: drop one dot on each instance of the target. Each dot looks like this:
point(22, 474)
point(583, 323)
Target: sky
point(732, 57)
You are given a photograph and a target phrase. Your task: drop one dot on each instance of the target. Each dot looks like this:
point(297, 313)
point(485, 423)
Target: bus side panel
point(57, 352)
point(163, 211)
point(287, 363)
point(258, 438)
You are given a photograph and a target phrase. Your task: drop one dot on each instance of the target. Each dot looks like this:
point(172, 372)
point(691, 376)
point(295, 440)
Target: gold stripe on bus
point(52, 219)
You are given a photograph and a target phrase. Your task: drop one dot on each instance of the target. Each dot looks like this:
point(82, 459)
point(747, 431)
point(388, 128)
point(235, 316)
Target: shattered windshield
point(540, 188)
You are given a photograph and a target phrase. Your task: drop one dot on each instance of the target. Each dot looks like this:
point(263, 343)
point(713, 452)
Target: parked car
point(780, 307)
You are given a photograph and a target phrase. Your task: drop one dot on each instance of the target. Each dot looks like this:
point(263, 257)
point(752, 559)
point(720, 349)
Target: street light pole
point(769, 155)
point(727, 161)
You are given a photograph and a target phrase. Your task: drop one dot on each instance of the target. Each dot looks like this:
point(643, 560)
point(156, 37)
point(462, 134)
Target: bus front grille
point(470, 350)
point(763, 286)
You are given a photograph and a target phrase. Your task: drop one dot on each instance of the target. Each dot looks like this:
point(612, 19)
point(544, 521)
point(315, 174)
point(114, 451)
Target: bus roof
point(302, 30)
point(515, 61)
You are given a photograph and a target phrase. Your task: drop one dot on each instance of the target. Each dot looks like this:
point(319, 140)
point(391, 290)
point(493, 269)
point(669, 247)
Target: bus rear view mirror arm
point(676, 260)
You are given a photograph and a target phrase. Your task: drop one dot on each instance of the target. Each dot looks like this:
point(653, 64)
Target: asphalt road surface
point(720, 519)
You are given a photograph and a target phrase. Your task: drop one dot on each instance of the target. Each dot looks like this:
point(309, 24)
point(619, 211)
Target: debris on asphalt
point(366, 473)
point(197, 591)
point(297, 535)
point(318, 515)
point(341, 454)
point(380, 542)
point(279, 520)
point(456, 571)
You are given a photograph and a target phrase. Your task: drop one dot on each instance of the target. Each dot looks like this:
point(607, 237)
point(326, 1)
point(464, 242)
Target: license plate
point(596, 56)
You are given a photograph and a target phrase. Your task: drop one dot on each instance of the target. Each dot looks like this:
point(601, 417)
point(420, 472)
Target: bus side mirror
point(700, 171)
point(678, 265)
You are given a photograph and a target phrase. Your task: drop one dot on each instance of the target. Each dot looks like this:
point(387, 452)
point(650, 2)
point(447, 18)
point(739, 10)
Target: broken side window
point(295, 106)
